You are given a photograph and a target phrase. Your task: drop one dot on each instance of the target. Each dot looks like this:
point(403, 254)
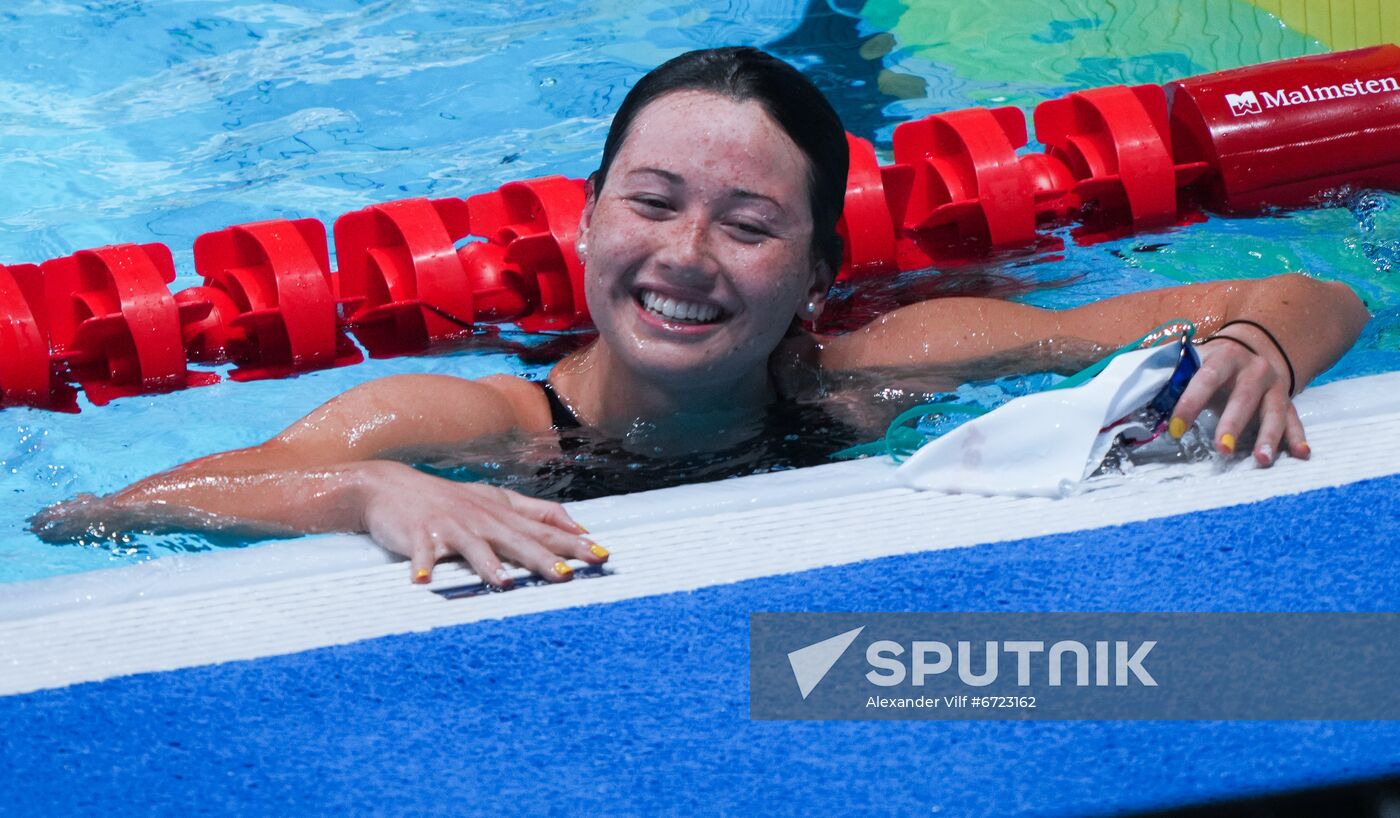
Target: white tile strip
point(653, 553)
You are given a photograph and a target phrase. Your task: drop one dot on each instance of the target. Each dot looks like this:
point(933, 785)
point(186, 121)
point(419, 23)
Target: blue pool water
point(136, 122)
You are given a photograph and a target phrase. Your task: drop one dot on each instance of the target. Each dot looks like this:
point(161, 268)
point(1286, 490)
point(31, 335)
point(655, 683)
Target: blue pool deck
point(349, 691)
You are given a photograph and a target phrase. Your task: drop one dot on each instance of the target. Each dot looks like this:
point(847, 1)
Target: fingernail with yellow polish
point(1177, 428)
point(422, 575)
point(597, 550)
point(580, 528)
point(1306, 449)
point(562, 569)
point(1228, 441)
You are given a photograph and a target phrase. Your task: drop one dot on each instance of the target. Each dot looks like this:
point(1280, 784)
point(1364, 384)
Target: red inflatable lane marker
point(27, 376)
point(114, 322)
point(276, 274)
point(536, 221)
point(866, 228)
point(959, 186)
point(1115, 141)
point(399, 266)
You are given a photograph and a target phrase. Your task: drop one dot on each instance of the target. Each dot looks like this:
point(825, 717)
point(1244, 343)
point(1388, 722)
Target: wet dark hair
point(800, 109)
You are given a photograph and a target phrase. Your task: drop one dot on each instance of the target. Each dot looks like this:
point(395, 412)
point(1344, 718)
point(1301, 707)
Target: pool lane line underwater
point(654, 552)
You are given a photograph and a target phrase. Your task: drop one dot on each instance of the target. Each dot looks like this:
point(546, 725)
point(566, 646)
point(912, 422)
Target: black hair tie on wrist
point(1292, 377)
point(1229, 338)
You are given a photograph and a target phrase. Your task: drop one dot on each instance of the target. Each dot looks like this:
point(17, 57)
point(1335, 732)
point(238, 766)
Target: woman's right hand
point(427, 518)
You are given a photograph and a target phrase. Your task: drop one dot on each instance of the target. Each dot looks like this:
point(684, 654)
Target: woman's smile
point(680, 312)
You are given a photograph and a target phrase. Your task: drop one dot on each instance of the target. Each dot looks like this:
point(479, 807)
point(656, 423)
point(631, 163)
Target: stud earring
point(581, 247)
point(812, 308)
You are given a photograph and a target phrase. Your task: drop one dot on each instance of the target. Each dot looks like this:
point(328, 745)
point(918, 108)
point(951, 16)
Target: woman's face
point(699, 245)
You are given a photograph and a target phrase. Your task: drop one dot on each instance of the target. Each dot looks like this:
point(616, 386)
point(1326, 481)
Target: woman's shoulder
point(510, 400)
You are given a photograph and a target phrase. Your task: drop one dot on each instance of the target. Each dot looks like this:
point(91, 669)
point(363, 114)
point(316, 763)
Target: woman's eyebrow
point(664, 174)
point(737, 193)
point(740, 193)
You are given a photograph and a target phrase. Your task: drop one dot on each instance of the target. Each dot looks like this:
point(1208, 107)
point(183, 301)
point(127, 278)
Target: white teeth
point(679, 310)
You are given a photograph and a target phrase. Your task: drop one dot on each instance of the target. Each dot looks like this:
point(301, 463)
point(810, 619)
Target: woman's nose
point(685, 248)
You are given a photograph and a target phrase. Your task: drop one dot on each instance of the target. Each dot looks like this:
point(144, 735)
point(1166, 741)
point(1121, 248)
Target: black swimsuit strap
point(560, 415)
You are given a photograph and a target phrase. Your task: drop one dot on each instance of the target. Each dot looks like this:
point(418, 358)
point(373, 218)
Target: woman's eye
point(652, 204)
point(748, 231)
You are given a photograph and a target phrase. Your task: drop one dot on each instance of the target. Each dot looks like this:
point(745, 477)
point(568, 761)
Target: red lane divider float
point(270, 289)
point(957, 188)
point(29, 372)
point(420, 272)
point(1115, 143)
point(536, 225)
point(115, 325)
point(866, 226)
point(401, 275)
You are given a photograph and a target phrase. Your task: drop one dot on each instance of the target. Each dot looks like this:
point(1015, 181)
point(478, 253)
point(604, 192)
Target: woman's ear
point(822, 278)
point(590, 194)
point(585, 218)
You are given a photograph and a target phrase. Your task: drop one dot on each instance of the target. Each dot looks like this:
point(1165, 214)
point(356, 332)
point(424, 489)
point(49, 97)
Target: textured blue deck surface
point(641, 707)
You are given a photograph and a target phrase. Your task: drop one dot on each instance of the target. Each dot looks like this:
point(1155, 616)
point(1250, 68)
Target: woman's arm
point(339, 469)
point(1314, 321)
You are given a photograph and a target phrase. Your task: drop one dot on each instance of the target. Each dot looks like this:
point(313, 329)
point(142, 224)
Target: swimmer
point(709, 240)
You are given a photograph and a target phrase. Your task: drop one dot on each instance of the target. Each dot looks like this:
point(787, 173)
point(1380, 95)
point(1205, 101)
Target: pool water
point(139, 122)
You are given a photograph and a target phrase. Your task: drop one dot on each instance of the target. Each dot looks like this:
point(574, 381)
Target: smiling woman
point(709, 237)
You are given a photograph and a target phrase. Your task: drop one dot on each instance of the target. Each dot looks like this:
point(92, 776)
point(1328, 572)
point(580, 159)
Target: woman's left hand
point(1254, 395)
